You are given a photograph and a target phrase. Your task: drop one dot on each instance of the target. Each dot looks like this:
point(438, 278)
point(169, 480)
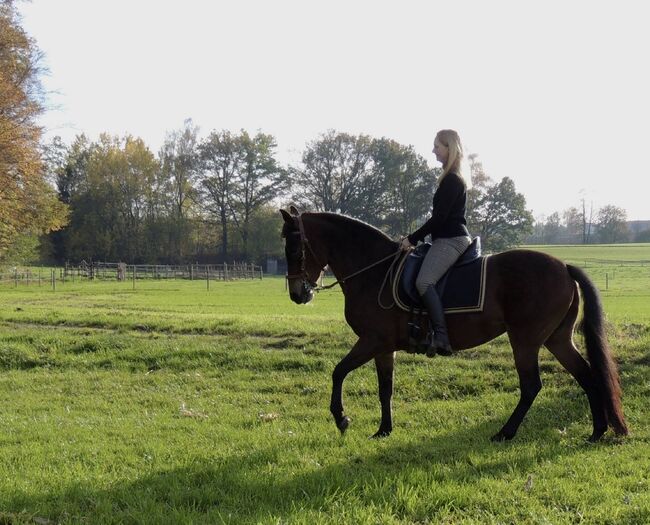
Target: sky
point(553, 94)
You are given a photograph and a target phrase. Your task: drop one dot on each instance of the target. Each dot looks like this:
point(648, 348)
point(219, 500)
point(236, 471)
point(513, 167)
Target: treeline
point(584, 225)
point(196, 200)
point(215, 198)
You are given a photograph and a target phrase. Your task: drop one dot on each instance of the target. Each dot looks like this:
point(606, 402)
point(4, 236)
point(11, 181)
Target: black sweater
point(448, 215)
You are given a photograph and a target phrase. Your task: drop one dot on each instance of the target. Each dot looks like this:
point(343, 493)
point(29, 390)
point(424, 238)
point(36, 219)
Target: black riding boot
point(438, 341)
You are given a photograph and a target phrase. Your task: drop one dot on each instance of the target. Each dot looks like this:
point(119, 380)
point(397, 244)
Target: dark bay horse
point(531, 296)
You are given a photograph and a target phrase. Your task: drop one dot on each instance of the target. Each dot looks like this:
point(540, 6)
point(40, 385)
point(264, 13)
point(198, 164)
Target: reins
point(376, 263)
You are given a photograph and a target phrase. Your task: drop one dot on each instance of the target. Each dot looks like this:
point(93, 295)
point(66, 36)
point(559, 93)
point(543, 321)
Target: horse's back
point(524, 265)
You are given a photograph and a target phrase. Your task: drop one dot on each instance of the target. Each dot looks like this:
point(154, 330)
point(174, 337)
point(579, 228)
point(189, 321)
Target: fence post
point(133, 271)
point(606, 281)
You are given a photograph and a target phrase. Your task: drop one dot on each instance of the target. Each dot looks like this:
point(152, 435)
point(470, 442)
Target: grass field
point(173, 404)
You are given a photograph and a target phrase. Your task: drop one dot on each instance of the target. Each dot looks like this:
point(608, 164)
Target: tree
point(407, 183)
point(496, 211)
point(573, 221)
point(612, 225)
point(221, 157)
point(586, 221)
point(337, 175)
point(28, 205)
point(265, 235)
point(108, 185)
point(66, 168)
point(552, 228)
point(180, 165)
point(477, 193)
point(642, 236)
point(258, 179)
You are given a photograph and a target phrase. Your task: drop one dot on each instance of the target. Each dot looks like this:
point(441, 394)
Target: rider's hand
point(405, 244)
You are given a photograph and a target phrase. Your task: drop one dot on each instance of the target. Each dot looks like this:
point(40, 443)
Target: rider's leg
point(440, 257)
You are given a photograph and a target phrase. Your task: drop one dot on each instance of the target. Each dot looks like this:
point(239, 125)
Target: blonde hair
point(451, 140)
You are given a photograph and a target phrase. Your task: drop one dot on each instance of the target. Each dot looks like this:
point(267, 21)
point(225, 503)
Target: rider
point(449, 235)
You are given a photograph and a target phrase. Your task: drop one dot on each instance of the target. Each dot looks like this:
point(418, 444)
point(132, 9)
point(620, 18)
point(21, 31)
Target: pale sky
point(553, 94)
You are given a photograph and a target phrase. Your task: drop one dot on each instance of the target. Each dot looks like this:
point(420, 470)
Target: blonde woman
point(450, 238)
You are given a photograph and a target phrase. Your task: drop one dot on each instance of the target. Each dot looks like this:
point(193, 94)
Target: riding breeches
point(440, 257)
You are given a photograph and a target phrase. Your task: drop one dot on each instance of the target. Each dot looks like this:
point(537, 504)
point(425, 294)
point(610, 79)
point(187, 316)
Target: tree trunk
point(224, 234)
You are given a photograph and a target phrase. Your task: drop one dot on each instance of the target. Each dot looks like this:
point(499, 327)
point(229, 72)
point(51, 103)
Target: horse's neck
point(352, 246)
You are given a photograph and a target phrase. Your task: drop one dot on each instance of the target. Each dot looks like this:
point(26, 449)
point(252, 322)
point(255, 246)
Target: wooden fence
point(123, 272)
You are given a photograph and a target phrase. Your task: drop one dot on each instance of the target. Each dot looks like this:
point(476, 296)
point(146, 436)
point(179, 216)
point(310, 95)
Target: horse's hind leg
point(561, 346)
point(526, 361)
point(362, 352)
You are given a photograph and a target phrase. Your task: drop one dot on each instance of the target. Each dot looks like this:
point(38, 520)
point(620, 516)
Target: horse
point(531, 296)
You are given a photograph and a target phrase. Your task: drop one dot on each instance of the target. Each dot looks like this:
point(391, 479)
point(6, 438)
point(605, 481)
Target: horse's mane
point(345, 221)
point(364, 234)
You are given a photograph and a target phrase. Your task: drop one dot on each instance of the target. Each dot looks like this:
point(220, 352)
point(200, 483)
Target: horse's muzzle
point(303, 295)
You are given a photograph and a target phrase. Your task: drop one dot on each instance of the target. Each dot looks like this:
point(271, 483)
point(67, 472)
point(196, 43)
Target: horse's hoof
point(380, 434)
point(595, 436)
point(344, 424)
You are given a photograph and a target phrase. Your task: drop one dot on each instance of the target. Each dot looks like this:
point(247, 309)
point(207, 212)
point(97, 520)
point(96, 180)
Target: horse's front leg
point(385, 364)
point(362, 352)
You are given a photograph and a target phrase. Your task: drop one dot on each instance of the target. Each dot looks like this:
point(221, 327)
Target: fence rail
point(123, 272)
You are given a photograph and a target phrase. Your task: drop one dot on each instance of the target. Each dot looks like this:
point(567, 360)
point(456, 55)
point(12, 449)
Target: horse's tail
point(602, 363)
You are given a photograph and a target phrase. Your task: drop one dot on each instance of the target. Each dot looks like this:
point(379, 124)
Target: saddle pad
point(462, 288)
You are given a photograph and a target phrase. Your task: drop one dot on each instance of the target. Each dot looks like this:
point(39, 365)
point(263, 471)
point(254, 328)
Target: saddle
point(461, 289)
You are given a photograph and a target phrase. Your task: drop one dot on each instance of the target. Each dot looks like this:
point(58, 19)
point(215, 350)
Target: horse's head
point(303, 268)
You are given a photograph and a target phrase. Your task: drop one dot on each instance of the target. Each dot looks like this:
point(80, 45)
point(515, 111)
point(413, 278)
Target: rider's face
point(440, 151)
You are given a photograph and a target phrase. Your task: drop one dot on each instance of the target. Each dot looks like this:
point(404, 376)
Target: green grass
point(599, 253)
point(172, 404)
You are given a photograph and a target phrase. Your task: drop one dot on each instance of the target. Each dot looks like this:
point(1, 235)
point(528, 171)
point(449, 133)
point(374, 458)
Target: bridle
point(304, 275)
point(304, 243)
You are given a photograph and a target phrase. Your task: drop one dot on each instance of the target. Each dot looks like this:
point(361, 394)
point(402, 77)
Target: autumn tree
point(109, 185)
point(28, 204)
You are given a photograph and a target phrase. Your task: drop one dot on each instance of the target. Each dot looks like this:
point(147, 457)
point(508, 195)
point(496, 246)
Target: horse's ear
point(294, 210)
point(286, 216)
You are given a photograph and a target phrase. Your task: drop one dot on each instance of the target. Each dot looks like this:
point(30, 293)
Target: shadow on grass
point(248, 488)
